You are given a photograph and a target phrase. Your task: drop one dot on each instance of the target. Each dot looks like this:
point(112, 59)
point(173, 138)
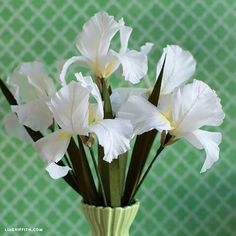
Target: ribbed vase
point(107, 221)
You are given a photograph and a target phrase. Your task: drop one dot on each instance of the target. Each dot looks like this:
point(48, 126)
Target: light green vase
point(107, 221)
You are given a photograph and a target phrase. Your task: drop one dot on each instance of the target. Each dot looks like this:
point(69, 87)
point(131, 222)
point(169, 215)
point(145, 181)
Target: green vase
point(107, 221)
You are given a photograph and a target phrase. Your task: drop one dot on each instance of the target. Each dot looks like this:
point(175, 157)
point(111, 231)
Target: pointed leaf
point(141, 148)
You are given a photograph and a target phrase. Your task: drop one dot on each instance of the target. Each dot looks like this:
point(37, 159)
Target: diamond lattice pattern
point(176, 199)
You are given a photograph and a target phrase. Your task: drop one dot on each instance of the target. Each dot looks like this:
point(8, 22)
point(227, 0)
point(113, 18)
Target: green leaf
point(112, 174)
point(83, 173)
point(141, 150)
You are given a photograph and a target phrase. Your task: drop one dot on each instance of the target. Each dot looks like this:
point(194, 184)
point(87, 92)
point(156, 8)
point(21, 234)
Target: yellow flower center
point(65, 135)
point(93, 117)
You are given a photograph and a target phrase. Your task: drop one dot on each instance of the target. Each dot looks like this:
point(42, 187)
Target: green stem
point(99, 177)
point(111, 173)
point(142, 147)
point(86, 177)
point(68, 162)
point(159, 150)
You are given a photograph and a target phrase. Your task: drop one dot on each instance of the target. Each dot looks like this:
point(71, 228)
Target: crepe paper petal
point(195, 105)
point(88, 83)
point(14, 128)
point(179, 67)
point(94, 40)
point(56, 171)
point(70, 108)
point(38, 77)
point(134, 65)
point(146, 48)
point(120, 95)
point(35, 115)
point(210, 142)
point(114, 135)
point(83, 61)
point(125, 33)
point(143, 115)
point(52, 147)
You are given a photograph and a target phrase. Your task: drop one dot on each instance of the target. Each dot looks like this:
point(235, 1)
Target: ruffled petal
point(134, 65)
point(52, 147)
point(143, 115)
point(38, 77)
point(70, 108)
point(22, 90)
point(56, 171)
point(179, 67)
point(94, 40)
point(146, 48)
point(83, 61)
point(210, 142)
point(125, 33)
point(120, 95)
point(14, 128)
point(195, 105)
point(34, 114)
point(114, 136)
point(88, 83)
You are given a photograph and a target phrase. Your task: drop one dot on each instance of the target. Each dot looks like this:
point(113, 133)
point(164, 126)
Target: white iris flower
point(32, 88)
point(187, 109)
point(77, 116)
point(93, 42)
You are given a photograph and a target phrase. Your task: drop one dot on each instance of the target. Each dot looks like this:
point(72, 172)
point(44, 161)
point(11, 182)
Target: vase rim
point(135, 204)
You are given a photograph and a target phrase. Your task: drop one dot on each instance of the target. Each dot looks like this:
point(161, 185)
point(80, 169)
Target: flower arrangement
point(83, 129)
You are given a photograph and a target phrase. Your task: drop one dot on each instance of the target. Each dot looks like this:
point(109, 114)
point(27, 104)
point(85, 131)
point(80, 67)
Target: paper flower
point(32, 88)
point(93, 42)
point(187, 109)
point(75, 115)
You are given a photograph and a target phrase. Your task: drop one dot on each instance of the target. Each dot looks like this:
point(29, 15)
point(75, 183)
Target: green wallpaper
point(176, 199)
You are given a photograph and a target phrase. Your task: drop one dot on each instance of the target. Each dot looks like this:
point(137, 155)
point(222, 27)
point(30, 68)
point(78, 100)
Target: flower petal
point(14, 128)
point(143, 115)
point(56, 171)
point(125, 33)
point(88, 83)
point(70, 108)
point(134, 65)
point(120, 95)
point(210, 142)
point(34, 114)
point(52, 147)
point(179, 67)
point(83, 61)
point(114, 136)
point(38, 77)
point(94, 40)
point(22, 90)
point(146, 48)
point(195, 105)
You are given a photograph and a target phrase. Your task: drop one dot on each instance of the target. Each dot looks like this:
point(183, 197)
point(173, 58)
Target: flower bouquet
point(82, 127)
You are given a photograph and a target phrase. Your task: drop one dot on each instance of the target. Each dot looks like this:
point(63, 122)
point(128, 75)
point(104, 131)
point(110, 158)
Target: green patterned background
point(176, 199)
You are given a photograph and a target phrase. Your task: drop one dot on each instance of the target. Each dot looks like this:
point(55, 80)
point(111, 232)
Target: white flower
point(187, 109)
point(76, 116)
point(93, 42)
point(32, 88)
point(14, 128)
point(179, 67)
